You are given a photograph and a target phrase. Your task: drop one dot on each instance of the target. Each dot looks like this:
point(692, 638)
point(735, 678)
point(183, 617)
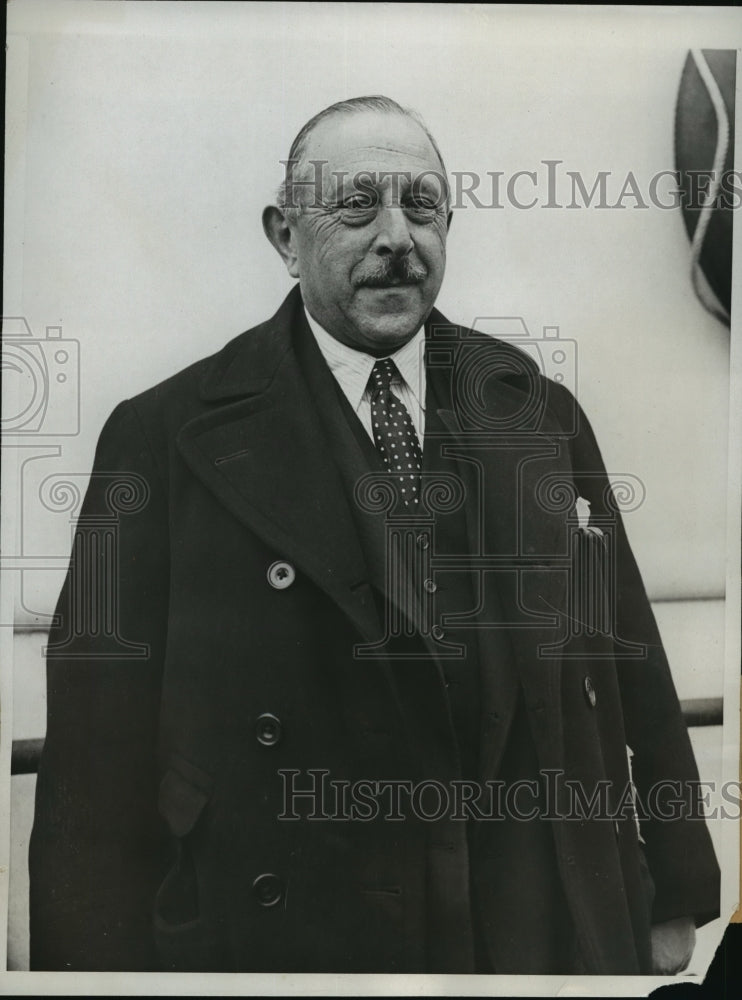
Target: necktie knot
point(382, 375)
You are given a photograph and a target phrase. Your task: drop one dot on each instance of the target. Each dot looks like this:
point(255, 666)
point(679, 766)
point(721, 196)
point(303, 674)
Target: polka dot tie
point(394, 433)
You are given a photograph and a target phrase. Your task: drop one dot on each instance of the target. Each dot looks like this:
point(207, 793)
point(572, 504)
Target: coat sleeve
point(678, 846)
point(97, 843)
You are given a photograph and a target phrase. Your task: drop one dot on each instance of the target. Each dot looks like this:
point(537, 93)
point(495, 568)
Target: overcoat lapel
point(357, 463)
point(518, 539)
point(262, 452)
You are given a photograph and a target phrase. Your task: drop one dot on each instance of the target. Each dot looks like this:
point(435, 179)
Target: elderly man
point(345, 721)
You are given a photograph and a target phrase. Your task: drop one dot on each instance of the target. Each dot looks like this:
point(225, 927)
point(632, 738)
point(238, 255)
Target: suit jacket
point(205, 658)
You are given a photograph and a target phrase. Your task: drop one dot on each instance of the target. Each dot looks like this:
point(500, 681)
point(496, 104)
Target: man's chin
point(388, 325)
point(389, 333)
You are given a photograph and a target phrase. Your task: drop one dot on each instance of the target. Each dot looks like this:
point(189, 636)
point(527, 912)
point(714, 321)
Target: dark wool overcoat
point(211, 650)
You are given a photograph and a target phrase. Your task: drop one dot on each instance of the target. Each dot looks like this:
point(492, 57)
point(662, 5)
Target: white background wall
point(152, 139)
point(145, 139)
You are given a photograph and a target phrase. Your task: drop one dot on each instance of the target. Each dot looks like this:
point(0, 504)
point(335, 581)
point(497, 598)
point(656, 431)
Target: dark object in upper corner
point(704, 143)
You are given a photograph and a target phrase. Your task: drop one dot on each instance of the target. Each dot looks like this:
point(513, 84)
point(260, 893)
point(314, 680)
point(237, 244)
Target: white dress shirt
point(352, 370)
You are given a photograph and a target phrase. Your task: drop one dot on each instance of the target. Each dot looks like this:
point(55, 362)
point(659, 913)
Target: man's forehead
point(371, 140)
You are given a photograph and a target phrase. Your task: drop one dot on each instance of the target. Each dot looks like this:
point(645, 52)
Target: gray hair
point(296, 166)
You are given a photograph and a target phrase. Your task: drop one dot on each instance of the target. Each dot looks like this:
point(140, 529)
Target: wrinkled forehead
point(376, 144)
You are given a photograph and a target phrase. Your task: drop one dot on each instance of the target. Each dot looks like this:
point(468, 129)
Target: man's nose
point(393, 233)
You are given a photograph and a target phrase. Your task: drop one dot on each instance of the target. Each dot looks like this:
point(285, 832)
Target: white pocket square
point(582, 511)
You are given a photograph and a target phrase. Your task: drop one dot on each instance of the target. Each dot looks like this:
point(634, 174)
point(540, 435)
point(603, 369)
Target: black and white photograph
point(371, 491)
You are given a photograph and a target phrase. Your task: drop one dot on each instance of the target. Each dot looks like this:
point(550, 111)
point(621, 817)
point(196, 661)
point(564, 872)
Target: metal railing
point(696, 712)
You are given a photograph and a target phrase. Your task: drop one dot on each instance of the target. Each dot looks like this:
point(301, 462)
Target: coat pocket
point(180, 934)
point(184, 792)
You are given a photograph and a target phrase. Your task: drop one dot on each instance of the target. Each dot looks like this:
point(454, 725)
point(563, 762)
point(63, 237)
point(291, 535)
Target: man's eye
point(358, 210)
point(421, 208)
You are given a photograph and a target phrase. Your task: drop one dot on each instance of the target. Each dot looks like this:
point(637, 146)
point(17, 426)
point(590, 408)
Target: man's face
point(370, 243)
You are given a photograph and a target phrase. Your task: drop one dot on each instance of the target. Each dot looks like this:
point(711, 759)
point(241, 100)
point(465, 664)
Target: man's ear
point(276, 227)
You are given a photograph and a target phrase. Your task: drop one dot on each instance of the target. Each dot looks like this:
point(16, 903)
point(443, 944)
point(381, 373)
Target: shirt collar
point(353, 368)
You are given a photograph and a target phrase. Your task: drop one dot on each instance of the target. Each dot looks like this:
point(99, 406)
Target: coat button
point(268, 729)
point(590, 692)
point(281, 574)
point(268, 889)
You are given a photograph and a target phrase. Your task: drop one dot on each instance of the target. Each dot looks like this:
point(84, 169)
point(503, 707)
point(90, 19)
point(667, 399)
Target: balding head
point(300, 174)
point(367, 237)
